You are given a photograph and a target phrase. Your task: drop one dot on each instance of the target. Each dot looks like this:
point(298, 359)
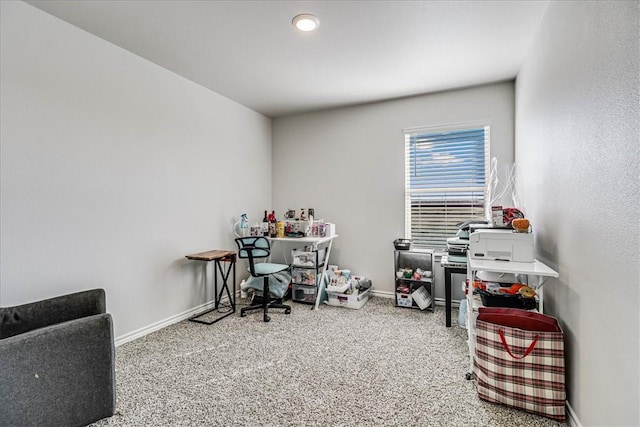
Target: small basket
point(506, 300)
point(402, 244)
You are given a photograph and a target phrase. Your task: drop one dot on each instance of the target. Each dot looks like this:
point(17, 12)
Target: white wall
point(577, 142)
point(348, 164)
point(113, 169)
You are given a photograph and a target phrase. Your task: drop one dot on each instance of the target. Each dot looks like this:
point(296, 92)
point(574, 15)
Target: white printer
point(501, 244)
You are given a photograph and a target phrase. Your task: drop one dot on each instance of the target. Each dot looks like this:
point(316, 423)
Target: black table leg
point(447, 296)
point(225, 284)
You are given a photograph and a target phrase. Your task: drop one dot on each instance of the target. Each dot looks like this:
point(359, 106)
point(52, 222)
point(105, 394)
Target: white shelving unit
point(537, 273)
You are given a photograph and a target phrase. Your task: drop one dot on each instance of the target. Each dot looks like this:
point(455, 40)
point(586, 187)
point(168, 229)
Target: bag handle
point(506, 346)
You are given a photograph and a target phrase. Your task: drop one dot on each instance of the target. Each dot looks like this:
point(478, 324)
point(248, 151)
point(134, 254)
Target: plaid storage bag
point(519, 361)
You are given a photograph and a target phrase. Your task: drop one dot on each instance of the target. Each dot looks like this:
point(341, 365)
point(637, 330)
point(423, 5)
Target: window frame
point(471, 193)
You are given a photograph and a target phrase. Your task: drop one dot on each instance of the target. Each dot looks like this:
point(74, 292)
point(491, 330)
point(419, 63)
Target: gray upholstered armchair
point(57, 361)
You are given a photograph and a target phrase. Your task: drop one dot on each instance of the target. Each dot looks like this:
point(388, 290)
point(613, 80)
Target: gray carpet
point(379, 365)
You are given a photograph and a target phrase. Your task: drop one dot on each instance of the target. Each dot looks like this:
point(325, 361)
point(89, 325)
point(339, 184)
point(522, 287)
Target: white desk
point(328, 241)
point(537, 269)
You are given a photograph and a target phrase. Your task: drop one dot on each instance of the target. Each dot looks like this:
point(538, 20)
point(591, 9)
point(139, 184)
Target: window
point(446, 171)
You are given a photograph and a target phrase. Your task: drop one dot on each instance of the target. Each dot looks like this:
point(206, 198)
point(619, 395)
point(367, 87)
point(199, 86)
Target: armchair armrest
point(27, 317)
point(59, 375)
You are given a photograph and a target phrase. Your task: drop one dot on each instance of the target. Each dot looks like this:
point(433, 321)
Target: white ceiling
point(363, 51)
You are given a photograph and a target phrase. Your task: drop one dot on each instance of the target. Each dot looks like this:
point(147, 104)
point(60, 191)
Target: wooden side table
point(218, 256)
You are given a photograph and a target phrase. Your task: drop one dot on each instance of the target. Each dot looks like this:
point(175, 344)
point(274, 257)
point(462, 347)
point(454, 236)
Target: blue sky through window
point(454, 159)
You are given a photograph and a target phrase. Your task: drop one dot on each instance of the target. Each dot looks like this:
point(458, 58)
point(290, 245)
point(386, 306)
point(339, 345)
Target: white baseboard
point(164, 323)
point(383, 294)
point(392, 295)
point(572, 418)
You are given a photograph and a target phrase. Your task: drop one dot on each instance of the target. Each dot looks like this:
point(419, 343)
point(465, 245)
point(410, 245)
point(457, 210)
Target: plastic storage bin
point(348, 300)
point(306, 259)
point(404, 300)
point(339, 287)
point(303, 276)
point(304, 293)
point(506, 300)
point(402, 244)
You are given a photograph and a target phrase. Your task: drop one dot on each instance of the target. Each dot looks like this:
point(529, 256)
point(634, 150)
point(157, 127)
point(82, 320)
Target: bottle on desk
point(309, 229)
point(265, 225)
point(273, 228)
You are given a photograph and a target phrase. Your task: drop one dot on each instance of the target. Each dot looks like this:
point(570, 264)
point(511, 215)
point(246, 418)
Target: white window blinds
point(446, 172)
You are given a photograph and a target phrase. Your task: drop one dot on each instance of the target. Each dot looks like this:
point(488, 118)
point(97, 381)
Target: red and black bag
point(519, 361)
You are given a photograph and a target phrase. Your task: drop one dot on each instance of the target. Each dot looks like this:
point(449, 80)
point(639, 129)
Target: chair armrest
point(27, 317)
point(47, 371)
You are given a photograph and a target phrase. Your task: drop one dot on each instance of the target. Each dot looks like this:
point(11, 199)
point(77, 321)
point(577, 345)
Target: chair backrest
point(253, 248)
point(39, 314)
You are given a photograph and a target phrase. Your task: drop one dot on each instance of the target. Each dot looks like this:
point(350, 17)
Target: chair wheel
point(287, 311)
point(243, 314)
point(469, 376)
point(266, 318)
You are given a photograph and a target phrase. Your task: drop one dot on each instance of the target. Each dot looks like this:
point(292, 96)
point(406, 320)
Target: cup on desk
point(329, 229)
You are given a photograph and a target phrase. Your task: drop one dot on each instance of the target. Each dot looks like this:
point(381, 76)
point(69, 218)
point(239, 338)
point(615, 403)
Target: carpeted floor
point(379, 365)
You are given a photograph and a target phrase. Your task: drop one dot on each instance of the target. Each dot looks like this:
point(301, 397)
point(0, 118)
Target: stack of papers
point(457, 259)
point(457, 248)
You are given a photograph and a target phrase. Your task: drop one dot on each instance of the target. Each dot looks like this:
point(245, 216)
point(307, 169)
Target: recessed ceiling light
point(306, 22)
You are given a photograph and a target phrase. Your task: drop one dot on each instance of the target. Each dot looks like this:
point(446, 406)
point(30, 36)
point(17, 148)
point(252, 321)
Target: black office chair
point(253, 248)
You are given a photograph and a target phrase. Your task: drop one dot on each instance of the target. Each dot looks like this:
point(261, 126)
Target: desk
point(310, 241)
point(218, 256)
point(449, 269)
